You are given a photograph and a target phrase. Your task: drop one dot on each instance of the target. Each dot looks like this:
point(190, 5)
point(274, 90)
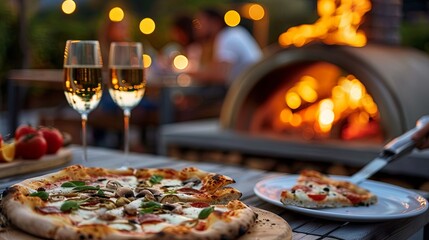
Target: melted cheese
point(171, 182)
point(155, 227)
point(192, 212)
point(174, 218)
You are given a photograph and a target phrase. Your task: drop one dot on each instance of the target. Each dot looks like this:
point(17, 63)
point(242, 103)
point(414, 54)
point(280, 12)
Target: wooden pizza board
point(269, 226)
point(19, 166)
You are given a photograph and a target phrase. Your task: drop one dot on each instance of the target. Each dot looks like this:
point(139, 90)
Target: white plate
point(393, 202)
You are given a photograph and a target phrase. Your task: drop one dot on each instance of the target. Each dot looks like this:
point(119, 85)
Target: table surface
point(304, 227)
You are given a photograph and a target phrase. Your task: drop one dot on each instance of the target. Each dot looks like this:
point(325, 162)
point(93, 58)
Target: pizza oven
point(317, 93)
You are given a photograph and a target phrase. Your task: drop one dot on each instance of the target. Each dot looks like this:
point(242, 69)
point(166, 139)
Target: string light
point(116, 14)
point(68, 6)
point(147, 61)
point(147, 26)
point(232, 18)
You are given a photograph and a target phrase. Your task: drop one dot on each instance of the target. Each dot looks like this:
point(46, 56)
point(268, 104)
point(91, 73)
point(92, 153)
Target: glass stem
point(84, 117)
point(127, 114)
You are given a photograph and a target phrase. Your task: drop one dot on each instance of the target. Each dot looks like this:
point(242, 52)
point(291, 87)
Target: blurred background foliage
point(48, 27)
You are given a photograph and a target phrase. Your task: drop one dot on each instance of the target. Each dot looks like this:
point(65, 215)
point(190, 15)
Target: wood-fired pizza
point(97, 203)
point(316, 190)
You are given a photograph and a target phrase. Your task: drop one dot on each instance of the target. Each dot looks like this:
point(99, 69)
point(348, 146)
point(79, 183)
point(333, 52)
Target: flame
point(338, 24)
point(348, 102)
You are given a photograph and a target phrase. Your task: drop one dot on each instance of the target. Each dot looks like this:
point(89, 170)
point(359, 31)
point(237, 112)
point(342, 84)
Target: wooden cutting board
point(19, 166)
point(269, 226)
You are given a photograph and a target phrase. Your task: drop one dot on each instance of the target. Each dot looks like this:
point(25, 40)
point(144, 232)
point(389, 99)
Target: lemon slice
point(8, 151)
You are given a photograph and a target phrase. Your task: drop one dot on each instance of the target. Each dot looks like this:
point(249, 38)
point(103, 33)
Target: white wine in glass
point(83, 79)
point(127, 80)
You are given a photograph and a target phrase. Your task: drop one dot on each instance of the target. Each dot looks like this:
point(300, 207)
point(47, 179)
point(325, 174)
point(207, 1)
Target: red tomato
point(31, 146)
point(317, 197)
point(353, 197)
point(53, 138)
point(24, 130)
point(201, 226)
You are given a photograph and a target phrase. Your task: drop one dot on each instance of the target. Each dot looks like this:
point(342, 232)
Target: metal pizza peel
point(395, 149)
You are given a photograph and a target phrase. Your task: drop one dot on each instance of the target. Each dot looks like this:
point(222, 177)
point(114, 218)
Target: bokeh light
point(180, 62)
point(147, 26)
point(68, 6)
point(147, 61)
point(232, 18)
point(256, 12)
point(116, 14)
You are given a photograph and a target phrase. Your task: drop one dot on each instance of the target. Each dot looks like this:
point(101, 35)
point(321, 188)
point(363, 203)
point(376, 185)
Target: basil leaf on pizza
point(85, 188)
point(41, 194)
point(69, 205)
point(205, 212)
point(155, 179)
point(150, 207)
point(71, 184)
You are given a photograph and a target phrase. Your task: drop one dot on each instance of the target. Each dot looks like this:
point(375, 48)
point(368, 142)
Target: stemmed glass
point(127, 81)
point(83, 79)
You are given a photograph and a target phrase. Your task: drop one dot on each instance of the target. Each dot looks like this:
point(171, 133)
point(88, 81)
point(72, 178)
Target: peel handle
point(403, 144)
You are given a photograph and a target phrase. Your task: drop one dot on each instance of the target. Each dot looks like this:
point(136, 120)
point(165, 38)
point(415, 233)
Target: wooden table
point(304, 227)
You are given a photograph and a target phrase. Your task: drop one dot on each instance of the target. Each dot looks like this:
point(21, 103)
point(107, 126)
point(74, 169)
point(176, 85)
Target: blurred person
point(182, 32)
point(234, 48)
point(183, 37)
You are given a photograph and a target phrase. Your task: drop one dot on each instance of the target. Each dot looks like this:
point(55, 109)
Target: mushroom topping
point(111, 184)
point(146, 194)
point(143, 193)
point(124, 192)
point(174, 208)
point(123, 225)
point(130, 209)
point(89, 207)
point(122, 201)
point(193, 181)
point(154, 191)
point(107, 216)
point(170, 199)
point(109, 205)
point(57, 198)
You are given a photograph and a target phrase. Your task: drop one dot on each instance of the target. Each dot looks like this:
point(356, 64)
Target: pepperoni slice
point(49, 210)
point(149, 218)
point(200, 204)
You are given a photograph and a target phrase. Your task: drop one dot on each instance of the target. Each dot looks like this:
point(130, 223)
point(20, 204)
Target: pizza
point(96, 203)
point(316, 190)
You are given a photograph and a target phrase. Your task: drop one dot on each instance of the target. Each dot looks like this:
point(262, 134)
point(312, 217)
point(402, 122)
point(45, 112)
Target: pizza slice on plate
point(316, 190)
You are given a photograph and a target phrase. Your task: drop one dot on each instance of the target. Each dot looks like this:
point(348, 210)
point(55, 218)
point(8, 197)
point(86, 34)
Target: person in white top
point(234, 48)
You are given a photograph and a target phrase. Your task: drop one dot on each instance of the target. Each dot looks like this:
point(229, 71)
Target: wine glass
point(83, 79)
point(127, 83)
